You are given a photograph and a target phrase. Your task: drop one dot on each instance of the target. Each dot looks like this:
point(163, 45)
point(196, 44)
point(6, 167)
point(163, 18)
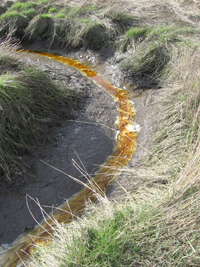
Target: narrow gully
point(127, 131)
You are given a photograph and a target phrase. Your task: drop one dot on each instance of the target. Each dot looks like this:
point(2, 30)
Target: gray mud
point(88, 139)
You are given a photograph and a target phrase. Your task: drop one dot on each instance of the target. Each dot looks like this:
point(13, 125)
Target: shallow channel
point(82, 139)
point(125, 147)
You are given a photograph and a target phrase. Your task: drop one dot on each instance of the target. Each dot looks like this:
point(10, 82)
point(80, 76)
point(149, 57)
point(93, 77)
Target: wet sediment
point(127, 131)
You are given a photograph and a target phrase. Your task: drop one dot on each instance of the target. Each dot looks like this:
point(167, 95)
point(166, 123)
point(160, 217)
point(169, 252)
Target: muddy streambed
point(83, 138)
point(88, 139)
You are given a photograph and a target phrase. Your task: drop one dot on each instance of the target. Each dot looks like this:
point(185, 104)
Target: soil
point(88, 139)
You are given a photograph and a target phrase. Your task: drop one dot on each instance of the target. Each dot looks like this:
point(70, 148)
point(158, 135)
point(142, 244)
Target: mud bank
point(88, 137)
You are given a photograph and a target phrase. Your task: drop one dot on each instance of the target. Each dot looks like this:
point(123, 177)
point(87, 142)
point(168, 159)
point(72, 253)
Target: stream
point(107, 161)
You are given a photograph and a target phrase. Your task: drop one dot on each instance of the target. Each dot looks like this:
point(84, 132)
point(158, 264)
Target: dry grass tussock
point(178, 118)
point(173, 11)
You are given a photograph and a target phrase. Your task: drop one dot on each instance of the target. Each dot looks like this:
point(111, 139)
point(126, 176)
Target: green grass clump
point(16, 18)
point(52, 9)
point(90, 33)
point(27, 99)
point(154, 48)
point(133, 34)
point(19, 6)
point(44, 1)
point(98, 244)
point(171, 34)
point(41, 26)
point(147, 63)
point(138, 32)
point(30, 13)
point(61, 14)
point(13, 22)
point(103, 245)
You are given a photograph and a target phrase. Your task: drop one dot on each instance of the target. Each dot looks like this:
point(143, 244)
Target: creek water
point(125, 146)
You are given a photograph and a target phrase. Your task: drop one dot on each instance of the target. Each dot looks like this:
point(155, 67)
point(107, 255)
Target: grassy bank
point(158, 46)
point(67, 25)
point(155, 233)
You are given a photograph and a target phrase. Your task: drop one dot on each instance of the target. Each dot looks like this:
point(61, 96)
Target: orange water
point(124, 149)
